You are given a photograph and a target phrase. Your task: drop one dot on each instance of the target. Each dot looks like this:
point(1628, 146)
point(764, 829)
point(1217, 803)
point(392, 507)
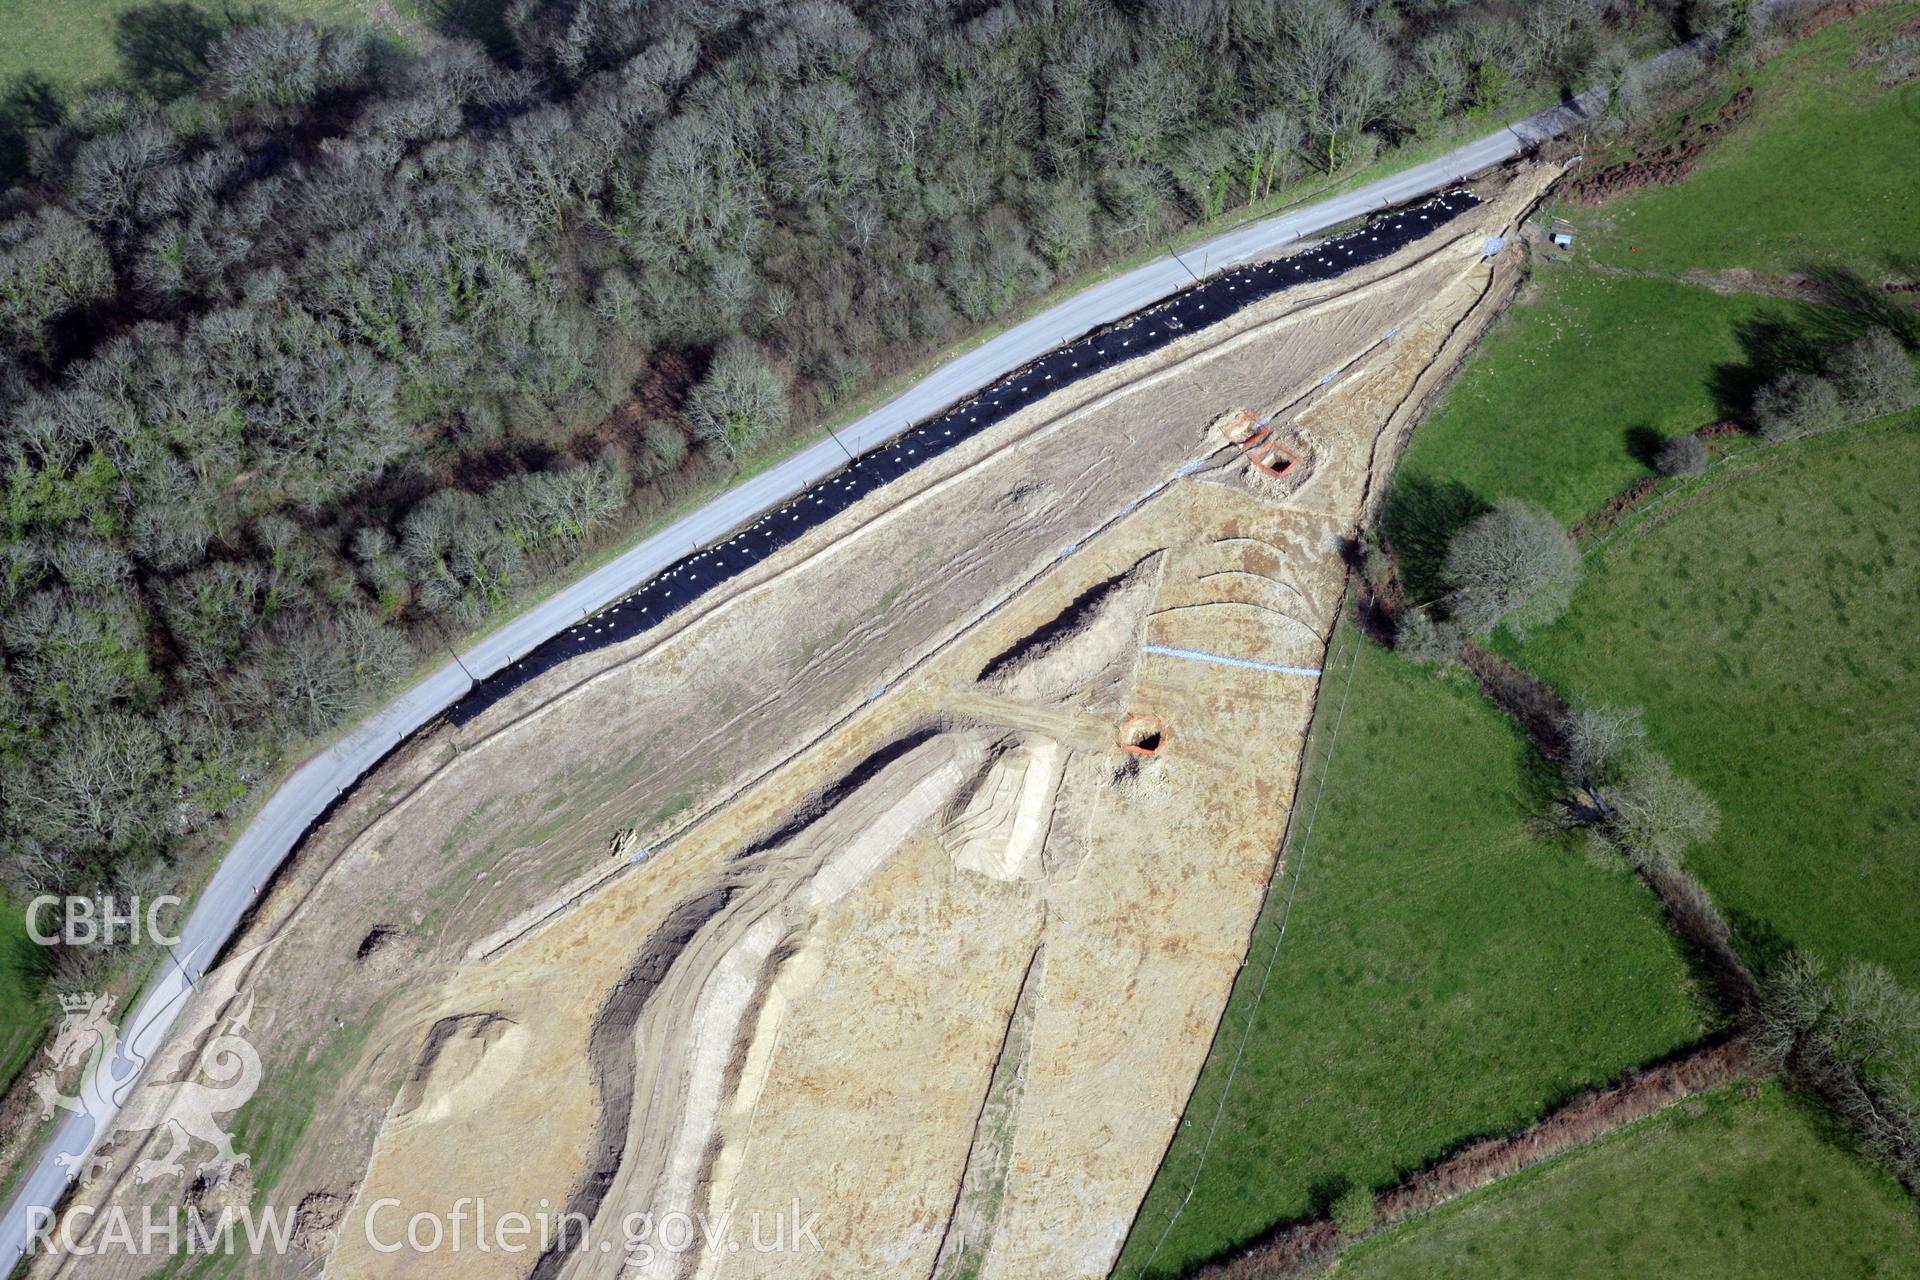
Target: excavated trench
point(831, 797)
point(1073, 650)
point(610, 1052)
point(731, 906)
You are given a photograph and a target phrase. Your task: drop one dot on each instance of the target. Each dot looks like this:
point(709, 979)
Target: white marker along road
point(298, 801)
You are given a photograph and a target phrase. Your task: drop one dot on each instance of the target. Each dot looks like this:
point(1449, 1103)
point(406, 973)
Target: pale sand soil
point(805, 992)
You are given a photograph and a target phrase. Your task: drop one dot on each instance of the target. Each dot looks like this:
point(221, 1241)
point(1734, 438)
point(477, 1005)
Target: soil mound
point(466, 1060)
point(1663, 162)
point(317, 1221)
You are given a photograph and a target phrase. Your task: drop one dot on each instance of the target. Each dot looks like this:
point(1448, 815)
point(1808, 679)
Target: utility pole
point(461, 665)
point(836, 440)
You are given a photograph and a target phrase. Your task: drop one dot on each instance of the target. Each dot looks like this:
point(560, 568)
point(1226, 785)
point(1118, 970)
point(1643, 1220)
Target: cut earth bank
point(839, 891)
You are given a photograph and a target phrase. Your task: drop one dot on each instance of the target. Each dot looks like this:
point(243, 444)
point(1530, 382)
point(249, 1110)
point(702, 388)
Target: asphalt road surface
point(293, 807)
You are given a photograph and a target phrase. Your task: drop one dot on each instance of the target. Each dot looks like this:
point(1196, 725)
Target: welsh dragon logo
point(225, 1073)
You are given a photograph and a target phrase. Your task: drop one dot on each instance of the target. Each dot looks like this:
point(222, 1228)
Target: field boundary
point(1638, 1095)
point(1636, 513)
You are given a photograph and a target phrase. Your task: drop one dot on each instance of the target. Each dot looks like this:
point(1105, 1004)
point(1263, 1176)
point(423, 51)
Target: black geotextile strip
point(1139, 334)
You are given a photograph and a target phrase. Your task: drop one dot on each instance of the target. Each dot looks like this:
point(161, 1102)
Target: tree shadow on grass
point(1419, 520)
point(1865, 304)
point(164, 46)
point(28, 104)
point(1828, 1126)
point(1762, 945)
point(1843, 305)
point(25, 965)
point(1772, 344)
point(1542, 788)
point(1643, 445)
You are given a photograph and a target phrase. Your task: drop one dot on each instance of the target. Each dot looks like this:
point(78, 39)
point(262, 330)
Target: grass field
point(1723, 1186)
point(1612, 349)
point(1444, 974)
point(1563, 398)
point(1821, 174)
point(26, 1008)
point(1759, 620)
point(1764, 619)
point(73, 43)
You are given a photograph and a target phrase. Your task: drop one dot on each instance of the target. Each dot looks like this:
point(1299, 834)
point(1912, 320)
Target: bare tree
point(1062, 223)
point(741, 401)
point(1436, 83)
point(1514, 567)
point(619, 306)
point(50, 263)
point(1600, 739)
point(561, 508)
point(1132, 198)
point(1269, 149)
point(1205, 170)
point(97, 786)
point(1874, 374)
point(109, 172)
point(1146, 105)
point(1795, 405)
point(86, 562)
point(1855, 1037)
point(700, 190)
point(376, 654)
point(1795, 999)
point(283, 64)
point(1873, 1025)
point(1654, 814)
point(663, 449)
point(76, 654)
point(1420, 638)
point(1341, 75)
point(1681, 455)
point(459, 562)
point(211, 612)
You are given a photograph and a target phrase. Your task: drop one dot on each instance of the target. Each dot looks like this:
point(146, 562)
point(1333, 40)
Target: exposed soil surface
point(839, 890)
point(1614, 509)
point(1661, 162)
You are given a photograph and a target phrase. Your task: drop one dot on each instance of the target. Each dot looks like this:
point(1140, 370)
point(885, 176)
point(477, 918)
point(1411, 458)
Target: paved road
point(302, 797)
